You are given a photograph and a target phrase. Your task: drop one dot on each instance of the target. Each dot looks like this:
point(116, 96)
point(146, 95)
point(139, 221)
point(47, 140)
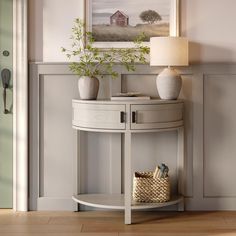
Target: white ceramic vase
point(88, 87)
point(169, 84)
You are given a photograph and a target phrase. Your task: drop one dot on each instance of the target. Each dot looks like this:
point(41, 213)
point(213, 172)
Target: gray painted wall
point(209, 100)
point(208, 91)
point(208, 24)
point(210, 132)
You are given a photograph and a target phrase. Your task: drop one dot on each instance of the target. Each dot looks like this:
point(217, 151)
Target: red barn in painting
point(119, 19)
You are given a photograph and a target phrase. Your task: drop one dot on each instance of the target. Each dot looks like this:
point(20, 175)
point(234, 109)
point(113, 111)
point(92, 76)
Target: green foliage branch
point(93, 62)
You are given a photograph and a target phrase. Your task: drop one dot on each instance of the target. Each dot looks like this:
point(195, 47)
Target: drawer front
point(94, 116)
point(157, 116)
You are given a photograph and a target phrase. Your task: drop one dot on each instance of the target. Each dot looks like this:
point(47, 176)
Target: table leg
point(181, 164)
point(127, 178)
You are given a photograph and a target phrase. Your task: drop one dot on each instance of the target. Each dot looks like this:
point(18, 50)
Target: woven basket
point(149, 189)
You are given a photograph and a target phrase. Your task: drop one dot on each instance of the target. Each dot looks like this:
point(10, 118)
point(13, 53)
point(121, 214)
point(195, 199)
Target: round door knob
point(5, 53)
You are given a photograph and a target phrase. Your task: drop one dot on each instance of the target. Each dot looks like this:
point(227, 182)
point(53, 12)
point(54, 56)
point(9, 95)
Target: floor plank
point(100, 223)
point(60, 234)
point(40, 229)
point(24, 219)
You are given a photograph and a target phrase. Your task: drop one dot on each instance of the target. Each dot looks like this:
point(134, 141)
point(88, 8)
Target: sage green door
point(6, 122)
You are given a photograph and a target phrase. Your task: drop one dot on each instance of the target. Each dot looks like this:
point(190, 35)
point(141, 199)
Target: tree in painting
point(150, 16)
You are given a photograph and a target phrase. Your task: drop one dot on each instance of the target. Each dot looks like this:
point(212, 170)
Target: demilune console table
point(128, 117)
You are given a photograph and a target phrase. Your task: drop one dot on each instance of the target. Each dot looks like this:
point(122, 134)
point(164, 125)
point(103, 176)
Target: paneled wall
point(210, 131)
point(214, 135)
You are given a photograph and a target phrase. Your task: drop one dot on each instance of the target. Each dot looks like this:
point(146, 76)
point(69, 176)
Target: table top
point(138, 101)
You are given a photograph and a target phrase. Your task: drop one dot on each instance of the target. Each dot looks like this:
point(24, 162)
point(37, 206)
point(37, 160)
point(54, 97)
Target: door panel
point(6, 124)
point(157, 116)
point(98, 116)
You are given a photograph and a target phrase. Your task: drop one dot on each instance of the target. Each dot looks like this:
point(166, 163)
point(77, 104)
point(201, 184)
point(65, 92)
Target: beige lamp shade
point(168, 51)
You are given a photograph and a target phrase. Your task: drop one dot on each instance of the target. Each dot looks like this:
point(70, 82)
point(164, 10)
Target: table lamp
point(168, 51)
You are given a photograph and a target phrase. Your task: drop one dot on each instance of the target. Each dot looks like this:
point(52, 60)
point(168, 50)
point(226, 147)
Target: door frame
point(20, 106)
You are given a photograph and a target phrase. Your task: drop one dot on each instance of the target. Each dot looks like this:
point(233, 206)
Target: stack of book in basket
point(152, 186)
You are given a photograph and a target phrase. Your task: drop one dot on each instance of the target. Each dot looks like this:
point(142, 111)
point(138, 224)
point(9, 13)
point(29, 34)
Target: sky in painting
point(102, 9)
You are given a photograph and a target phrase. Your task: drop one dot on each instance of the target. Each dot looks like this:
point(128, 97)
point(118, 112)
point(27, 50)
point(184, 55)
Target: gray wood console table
point(128, 117)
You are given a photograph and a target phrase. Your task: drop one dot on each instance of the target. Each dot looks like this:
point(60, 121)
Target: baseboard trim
point(56, 204)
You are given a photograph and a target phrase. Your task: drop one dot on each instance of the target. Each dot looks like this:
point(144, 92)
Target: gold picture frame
point(173, 23)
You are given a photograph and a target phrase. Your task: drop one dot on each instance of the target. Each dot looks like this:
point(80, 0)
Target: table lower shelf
point(116, 201)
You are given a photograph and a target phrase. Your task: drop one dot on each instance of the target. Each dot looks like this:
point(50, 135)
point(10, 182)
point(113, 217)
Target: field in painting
point(108, 33)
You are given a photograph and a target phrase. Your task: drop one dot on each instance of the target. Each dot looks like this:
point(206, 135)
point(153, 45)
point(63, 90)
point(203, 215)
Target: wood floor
point(111, 224)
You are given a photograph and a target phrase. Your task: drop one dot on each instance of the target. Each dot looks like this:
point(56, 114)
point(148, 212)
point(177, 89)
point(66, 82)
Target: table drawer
point(156, 116)
point(94, 116)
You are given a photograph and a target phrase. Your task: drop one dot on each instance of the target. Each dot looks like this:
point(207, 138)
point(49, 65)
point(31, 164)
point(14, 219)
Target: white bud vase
point(88, 87)
point(169, 84)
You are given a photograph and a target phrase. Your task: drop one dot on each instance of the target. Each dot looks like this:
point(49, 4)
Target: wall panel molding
point(202, 74)
point(195, 78)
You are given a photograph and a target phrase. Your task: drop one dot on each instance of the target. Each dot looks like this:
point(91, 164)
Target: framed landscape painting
point(118, 23)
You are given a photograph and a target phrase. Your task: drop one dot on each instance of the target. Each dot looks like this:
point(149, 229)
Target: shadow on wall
point(199, 53)
point(35, 21)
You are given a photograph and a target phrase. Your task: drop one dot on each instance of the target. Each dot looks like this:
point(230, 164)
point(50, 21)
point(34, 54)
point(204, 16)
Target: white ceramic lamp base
point(169, 84)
